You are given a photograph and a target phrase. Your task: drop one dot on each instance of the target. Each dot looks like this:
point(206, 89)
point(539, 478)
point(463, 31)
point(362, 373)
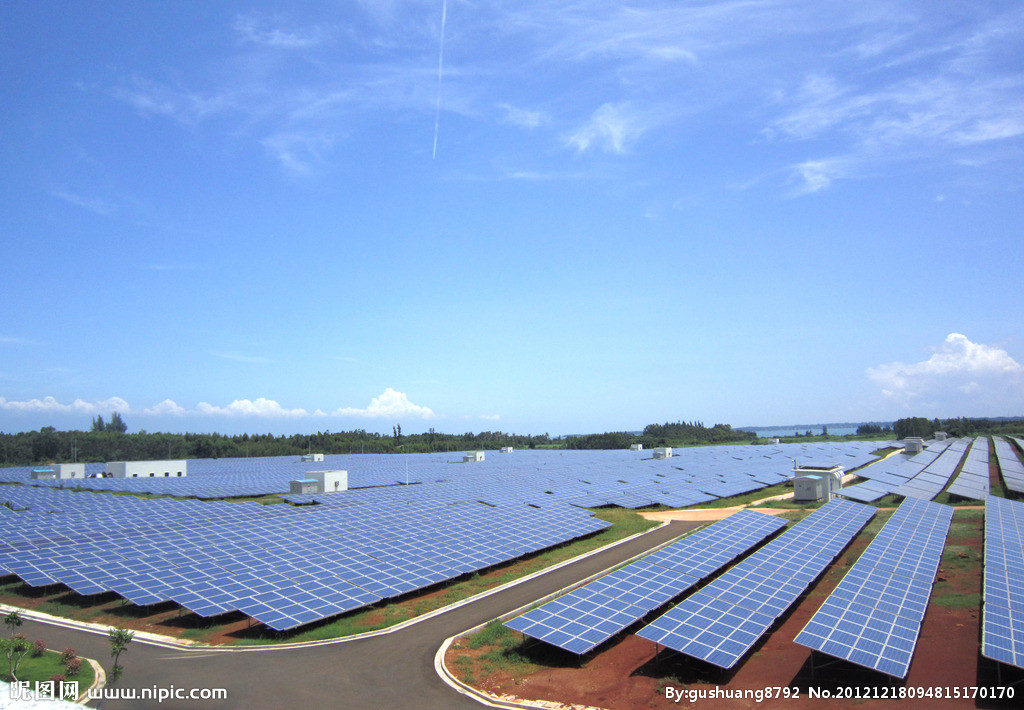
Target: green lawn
point(44, 667)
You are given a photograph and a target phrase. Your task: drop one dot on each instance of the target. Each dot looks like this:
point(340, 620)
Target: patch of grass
point(969, 600)
point(493, 634)
point(48, 665)
point(746, 498)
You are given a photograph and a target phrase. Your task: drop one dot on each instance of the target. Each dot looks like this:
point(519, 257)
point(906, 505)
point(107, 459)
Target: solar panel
point(1002, 628)
point(874, 615)
point(646, 584)
point(758, 590)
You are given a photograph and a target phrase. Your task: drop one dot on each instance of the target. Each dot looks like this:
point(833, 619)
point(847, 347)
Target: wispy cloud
point(815, 175)
point(389, 404)
point(612, 128)
point(958, 365)
point(93, 204)
point(524, 118)
point(16, 340)
point(236, 357)
point(183, 105)
point(298, 153)
point(263, 30)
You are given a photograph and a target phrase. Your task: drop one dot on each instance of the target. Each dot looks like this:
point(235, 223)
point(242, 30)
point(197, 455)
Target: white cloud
point(260, 407)
point(255, 359)
point(79, 406)
point(93, 204)
point(985, 374)
point(491, 417)
point(298, 152)
point(389, 404)
point(182, 105)
point(255, 29)
point(612, 128)
point(15, 340)
point(168, 406)
point(816, 175)
point(524, 118)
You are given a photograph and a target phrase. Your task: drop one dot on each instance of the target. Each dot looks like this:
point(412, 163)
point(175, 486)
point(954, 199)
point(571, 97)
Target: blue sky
point(576, 217)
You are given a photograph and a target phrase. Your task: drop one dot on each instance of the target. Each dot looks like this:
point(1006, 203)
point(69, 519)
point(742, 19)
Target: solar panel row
point(720, 623)
point(973, 479)
point(921, 476)
point(1002, 625)
point(930, 482)
point(874, 615)
point(587, 617)
point(1010, 465)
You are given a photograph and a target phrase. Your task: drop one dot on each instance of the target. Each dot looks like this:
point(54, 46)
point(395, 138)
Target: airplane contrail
point(440, 68)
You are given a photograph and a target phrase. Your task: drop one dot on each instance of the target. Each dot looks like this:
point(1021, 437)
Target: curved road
point(395, 670)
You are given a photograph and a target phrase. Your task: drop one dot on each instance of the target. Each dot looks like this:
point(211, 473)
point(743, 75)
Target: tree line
point(113, 443)
point(961, 426)
point(101, 444)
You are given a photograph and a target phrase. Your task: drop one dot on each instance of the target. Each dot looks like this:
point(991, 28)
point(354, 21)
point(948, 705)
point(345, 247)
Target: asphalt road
point(393, 671)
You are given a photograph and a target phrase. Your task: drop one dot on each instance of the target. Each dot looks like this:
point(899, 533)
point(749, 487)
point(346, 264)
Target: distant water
point(815, 429)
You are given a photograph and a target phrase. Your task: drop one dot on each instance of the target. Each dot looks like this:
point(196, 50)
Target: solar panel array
point(281, 565)
point(935, 477)
point(874, 616)
point(590, 615)
point(973, 479)
point(1010, 465)
point(721, 622)
point(353, 547)
point(1002, 623)
point(921, 476)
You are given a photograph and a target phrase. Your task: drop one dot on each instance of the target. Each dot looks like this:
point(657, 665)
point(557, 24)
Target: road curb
point(496, 701)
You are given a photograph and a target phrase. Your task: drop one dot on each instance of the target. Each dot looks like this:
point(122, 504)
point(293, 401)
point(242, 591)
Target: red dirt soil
point(627, 676)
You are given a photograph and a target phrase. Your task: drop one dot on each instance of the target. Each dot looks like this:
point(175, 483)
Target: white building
point(306, 458)
point(664, 452)
point(506, 449)
point(147, 469)
point(473, 456)
point(636, 447)
point(320, 482)
point(62, 471)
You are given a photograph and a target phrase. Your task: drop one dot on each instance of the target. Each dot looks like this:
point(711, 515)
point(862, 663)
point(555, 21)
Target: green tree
point(98, 424)
point(913, 426)
point(13, 621)
point(15, 647)
point(119, 640)
point(117, 424)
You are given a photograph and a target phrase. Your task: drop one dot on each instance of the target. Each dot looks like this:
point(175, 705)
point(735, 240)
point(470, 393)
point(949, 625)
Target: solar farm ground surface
point(626, 674)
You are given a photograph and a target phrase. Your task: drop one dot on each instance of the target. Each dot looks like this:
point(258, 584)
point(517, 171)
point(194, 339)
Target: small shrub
point(72, 666)
point(38, 648)
point(58, 678)
point(67, 654)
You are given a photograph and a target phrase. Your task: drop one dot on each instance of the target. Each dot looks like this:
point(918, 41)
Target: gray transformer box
point(811, 487)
